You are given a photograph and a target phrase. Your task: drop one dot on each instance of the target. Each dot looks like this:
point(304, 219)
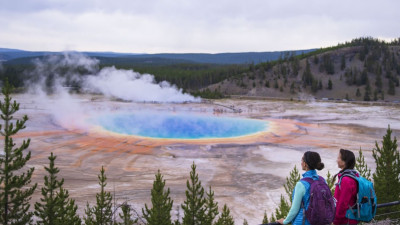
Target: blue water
point(179, 126)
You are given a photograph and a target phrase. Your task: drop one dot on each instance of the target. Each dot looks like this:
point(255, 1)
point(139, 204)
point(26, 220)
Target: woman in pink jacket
point(346, 188)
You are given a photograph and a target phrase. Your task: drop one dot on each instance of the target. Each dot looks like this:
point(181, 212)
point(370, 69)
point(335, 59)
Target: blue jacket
point(298, 219)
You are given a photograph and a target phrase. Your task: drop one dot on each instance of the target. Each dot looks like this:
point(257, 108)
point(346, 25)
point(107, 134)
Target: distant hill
point(10, 50)
point(363, 69)
point(225, 58)
point(220, 58)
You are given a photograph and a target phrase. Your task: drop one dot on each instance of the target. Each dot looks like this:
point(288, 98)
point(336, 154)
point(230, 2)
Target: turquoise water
point(179, 126)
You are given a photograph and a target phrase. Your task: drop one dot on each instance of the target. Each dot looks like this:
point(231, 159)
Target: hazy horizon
point(192, 26)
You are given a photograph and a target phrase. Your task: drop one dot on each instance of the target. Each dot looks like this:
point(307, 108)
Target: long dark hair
point(313, 160)
point(349, 160)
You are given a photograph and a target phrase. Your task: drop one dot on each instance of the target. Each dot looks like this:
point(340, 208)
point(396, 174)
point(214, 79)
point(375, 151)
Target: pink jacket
point(345, 196)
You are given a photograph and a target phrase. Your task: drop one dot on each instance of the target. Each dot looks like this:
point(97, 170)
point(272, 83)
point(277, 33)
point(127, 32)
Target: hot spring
point(179, 125)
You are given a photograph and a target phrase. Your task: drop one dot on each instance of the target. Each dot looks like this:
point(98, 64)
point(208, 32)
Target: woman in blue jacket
point(301, 193)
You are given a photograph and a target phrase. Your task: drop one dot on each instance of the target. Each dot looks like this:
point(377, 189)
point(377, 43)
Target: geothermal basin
point(246, 168)
point(178, 125)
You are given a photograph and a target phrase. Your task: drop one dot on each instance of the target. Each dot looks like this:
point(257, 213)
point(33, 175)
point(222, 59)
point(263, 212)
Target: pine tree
point(367, 93)
point(330, 181)
point(102, 210)
point(193, 206)
point(358, 93)
point(387, 173)
point(47, 210)
point(211, 208)
point(316, 59)
point(89, 215)
point(314, 86)
point(292, 90)
point(343, 63)
point(392, 90)
point(225, 218)
point(126, 216)
point(160, 213)
point(67, 210)
point(283, 208)
point(328, 63)
point(14, 194)
point(362, 167)
point(307, 77)
point(291, 182)
point(376, 95)
point(330, 84)
point(265, 219)
point(378, 82)
point(273, 218)
point(245, 222)
point(364, 77)
point(55, 207)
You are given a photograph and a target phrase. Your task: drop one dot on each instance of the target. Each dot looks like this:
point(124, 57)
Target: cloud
point(193, 26)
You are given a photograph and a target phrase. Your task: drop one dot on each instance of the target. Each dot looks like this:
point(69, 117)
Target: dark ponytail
point(313, 160)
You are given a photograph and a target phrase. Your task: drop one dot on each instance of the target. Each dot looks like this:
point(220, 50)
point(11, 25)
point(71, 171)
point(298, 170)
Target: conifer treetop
point(14, 193)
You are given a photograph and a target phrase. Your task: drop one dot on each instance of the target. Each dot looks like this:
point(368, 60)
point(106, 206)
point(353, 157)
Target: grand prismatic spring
point(245, 156)
point(179, 125)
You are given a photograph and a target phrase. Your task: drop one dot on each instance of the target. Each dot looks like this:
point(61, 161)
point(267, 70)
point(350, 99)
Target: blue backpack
point(365, 207)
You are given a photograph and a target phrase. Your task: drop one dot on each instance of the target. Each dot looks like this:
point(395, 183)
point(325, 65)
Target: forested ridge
point(365, 69)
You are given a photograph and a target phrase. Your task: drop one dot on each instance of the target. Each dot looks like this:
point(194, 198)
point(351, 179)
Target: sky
point(192, 26)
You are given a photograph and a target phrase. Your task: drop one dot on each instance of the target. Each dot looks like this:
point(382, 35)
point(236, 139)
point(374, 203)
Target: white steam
point(57, 72)
point(133, 86)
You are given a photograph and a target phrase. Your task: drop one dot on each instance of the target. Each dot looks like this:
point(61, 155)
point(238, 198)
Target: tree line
point(190, 77)
point(379, 73)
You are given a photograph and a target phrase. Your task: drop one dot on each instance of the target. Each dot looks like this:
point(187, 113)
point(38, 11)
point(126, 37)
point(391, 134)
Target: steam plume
point(52, 74)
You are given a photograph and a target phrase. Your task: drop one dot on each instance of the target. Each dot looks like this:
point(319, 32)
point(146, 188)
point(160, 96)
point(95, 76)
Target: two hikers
point(310, 185)
point(312, 199)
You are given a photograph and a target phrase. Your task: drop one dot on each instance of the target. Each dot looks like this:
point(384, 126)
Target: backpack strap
point(348, 174)
point(354, 177)
point(304, 212)
point(308, 180)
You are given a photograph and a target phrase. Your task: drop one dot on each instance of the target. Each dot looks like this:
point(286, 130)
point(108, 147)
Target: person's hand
point(280, 221)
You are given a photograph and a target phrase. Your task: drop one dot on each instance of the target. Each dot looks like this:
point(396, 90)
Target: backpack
point(321, 207)
point(365, 207)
